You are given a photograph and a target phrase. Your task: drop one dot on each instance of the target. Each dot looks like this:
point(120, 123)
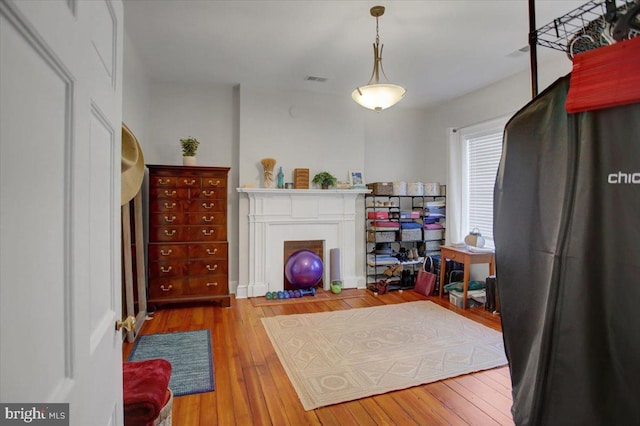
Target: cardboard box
point(381, 188)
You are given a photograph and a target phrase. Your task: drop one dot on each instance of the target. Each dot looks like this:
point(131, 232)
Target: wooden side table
point(468, 258)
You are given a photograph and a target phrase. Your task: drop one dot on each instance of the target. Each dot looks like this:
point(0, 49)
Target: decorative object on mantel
point(280, 179)
point(301, 178)
point(325, 180)
point(378, 96)
point(268, 164)
point(356, 179)
point(189, 149)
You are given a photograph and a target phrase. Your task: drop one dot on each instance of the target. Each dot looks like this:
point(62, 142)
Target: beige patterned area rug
point(340, 356)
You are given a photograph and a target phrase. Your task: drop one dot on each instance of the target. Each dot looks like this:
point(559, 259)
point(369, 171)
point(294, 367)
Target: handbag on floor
point(426, 279)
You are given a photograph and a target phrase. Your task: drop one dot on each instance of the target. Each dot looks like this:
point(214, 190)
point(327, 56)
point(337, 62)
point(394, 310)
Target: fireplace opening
point(291, 247)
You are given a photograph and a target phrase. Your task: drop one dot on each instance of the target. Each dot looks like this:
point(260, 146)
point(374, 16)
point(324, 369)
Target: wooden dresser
point(188, 248)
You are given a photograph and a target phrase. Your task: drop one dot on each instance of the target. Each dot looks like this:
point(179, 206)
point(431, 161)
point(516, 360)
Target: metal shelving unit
point(393, 205)
point(586, 27)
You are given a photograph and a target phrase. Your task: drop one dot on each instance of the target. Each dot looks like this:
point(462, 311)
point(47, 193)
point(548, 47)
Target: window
point(475, 156)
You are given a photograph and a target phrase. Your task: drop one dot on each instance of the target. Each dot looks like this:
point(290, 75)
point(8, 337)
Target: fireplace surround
point(279, 215)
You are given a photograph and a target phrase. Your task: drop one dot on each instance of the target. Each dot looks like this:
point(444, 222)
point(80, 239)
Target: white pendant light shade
point(378, 96)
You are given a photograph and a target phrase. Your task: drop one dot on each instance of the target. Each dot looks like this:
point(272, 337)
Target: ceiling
point(437, 50)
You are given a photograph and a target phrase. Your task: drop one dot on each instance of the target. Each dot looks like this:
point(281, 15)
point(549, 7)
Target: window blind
point(483, 157)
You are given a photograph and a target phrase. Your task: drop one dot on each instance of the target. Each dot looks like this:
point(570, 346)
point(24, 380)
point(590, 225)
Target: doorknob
point(127, 324)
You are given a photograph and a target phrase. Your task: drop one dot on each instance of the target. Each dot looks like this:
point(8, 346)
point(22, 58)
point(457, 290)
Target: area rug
point(339, 356)
point(189, 353)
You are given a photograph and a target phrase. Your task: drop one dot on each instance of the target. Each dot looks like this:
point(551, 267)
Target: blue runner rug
point(189, 353)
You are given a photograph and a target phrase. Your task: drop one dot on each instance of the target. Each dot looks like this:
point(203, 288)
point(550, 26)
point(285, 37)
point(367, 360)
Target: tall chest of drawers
point(188, 248)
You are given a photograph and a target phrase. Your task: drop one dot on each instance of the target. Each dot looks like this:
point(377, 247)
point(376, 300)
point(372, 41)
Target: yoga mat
point(334, 264)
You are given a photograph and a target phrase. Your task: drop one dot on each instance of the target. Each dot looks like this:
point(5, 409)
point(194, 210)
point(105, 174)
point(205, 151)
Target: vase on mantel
point(188, 160)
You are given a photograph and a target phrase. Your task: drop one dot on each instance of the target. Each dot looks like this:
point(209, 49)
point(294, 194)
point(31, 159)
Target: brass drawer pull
point(169, 193)
point(212, 183)
point(209, 268)
point(169, 219)
point(208, 206)
point(165, 270)
point(166, 289)
point(212, 284)
point(169, 205)
point(209, 232)
point(208, 193)
point(164, 181)
point(169, 233)
point(166, 253)
point(207, 219)
point(212, 252)
point(189, 182)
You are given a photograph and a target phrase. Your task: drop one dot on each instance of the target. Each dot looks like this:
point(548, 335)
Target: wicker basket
point(164, 418)
point(381, 188)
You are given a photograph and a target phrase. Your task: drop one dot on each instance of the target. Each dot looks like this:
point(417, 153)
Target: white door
point(60, 279)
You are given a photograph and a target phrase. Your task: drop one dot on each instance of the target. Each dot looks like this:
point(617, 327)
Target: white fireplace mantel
point(279, 215)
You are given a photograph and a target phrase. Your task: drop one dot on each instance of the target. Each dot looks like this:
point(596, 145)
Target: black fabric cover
point(567, 237)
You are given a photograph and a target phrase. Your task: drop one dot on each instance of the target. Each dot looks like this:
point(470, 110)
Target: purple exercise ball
point(304, 269)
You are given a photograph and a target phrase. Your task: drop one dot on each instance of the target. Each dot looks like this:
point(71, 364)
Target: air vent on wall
point(314, 78)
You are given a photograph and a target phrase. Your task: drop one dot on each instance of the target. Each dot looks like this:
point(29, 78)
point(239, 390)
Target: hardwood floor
point(252, 388)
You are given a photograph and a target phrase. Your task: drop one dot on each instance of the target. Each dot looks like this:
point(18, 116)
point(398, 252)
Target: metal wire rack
point(584, 28)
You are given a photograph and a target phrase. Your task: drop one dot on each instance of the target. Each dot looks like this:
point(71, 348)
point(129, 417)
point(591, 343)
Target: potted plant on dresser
point(189, 149)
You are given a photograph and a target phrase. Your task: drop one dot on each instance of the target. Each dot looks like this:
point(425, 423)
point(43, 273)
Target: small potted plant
point(189, 148)
point(325, 180)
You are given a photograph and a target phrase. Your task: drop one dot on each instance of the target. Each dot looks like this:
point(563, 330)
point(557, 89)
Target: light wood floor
point(252, 388)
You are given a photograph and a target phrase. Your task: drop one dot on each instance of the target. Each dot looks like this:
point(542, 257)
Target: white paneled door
point(60, 279)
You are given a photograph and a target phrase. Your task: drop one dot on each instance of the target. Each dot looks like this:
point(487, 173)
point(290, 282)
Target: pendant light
point(378, 96)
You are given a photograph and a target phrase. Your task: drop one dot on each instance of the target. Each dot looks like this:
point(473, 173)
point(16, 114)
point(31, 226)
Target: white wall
point(396, 148)
point(504, 97)
point(135, 102)
point(299, 130)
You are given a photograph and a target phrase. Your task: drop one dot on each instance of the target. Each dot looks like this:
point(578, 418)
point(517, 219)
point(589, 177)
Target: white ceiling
point(437, 50)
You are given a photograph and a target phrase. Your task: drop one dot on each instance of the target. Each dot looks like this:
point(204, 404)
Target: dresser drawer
point(188, 182)
point(167, 233)
point(167, 219)
point(166, 288)
point(212, 285)
point(162, 181)
point(210, 250)
point(206, 233)
point(214, 182)
point(208, 194)
point(167, 268)
point(169, 193)
point(205, 218)
point(167, 251)
point(207, 267)
point(200, 205)
point(163, 205)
